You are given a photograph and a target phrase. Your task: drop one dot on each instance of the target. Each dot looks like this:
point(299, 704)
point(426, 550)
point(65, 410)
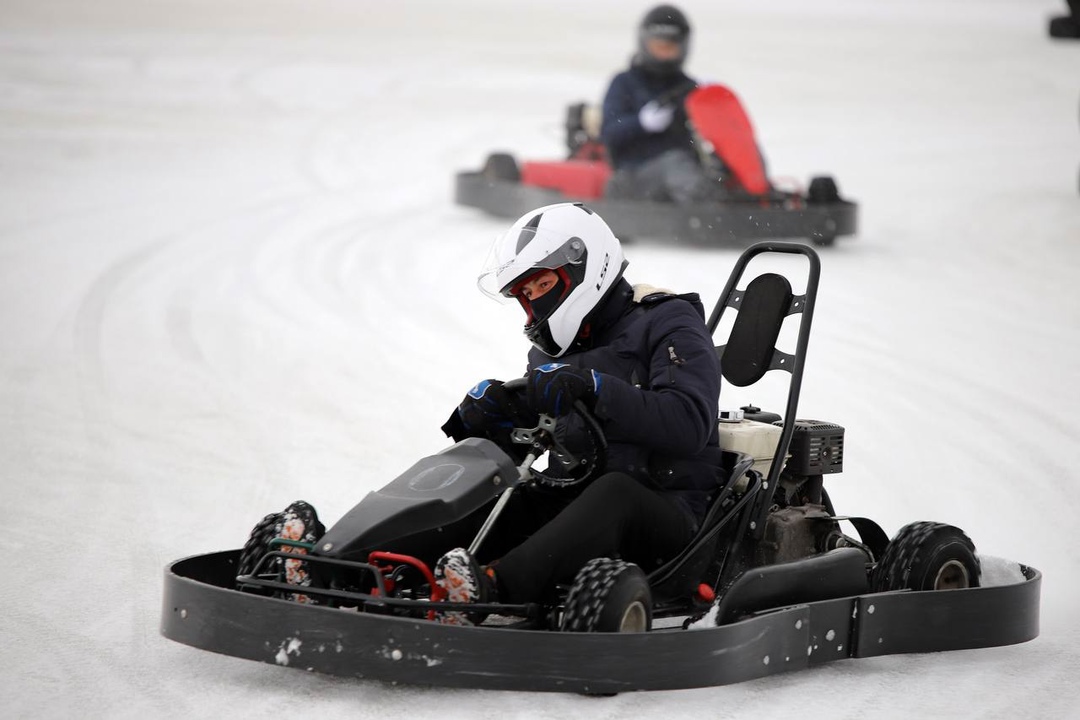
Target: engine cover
point(817, 448)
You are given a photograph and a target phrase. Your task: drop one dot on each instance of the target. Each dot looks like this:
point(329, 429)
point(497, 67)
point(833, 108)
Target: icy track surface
point(231, 276)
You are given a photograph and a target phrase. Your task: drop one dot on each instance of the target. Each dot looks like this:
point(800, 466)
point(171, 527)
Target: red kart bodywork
point(583, 179)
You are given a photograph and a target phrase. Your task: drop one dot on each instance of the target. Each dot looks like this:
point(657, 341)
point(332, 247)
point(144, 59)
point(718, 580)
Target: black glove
point(554, 387)
point(487, 408)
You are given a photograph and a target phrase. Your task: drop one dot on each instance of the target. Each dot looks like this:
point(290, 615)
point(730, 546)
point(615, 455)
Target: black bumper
point(201, 609)
point(732, 223)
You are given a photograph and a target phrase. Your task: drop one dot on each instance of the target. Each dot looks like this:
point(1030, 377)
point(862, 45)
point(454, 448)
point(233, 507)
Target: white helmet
point(577, 244)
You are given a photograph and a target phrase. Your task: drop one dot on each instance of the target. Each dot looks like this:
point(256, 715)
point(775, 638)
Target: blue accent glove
point(553, 388)
point(487, 407)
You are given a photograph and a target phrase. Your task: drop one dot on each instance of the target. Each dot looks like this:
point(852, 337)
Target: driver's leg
point(529, 509)
point(615, 516)
point(686, 181)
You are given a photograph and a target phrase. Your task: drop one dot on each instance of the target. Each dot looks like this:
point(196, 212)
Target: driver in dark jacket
point(644, 126)
point(643, 361)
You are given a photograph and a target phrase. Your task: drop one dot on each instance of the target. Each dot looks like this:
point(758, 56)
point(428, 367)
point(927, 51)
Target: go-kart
point(751, 206)
point(770, 583)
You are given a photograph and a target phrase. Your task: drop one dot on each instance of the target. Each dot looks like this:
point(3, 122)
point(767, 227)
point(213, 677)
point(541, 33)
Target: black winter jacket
point(628, 144)
point(659, 391)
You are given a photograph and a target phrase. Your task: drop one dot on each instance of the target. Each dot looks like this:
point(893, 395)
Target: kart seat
point(750, 350)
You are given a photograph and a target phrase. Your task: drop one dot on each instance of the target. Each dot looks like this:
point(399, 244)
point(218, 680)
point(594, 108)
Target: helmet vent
point(528, 232)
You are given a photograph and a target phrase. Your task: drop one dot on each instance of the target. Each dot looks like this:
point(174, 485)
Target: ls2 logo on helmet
point(603, 270)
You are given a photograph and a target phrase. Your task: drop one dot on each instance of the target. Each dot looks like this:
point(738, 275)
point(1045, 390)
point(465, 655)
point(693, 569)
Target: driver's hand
point(553, 388)
point(655, 117)
point(487, 408)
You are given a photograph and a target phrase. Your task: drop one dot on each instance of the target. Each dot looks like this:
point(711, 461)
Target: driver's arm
point(619, 125)
point(676, 412)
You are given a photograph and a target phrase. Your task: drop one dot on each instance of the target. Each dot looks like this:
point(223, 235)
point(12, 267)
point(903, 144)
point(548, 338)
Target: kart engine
point(800, 523)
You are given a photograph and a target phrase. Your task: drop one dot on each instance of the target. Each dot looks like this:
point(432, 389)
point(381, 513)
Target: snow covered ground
point(231, 276)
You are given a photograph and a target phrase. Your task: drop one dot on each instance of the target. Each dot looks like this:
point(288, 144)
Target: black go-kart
point(771, 583)
point(507, 187)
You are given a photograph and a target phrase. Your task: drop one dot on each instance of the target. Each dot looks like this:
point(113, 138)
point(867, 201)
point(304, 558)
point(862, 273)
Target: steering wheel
point(575, 468)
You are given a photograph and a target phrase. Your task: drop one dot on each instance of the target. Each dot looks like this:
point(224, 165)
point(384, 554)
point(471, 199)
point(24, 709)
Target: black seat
point(750, 351)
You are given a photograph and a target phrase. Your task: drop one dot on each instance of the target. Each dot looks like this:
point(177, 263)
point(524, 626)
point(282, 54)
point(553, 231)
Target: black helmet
point(665, 22)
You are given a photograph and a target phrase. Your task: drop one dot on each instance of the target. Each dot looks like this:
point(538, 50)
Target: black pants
point(673, 176)
point(544, 537)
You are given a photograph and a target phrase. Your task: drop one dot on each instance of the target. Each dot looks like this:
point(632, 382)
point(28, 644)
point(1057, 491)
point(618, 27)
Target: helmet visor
point(519, 253)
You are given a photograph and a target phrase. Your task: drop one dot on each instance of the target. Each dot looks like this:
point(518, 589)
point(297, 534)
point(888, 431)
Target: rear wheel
point(501, 166)
point(822, 189)
point(608, 596)
point(927, 556)
point(1065, 26)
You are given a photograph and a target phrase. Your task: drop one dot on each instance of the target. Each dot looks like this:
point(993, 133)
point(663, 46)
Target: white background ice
point(232, 276)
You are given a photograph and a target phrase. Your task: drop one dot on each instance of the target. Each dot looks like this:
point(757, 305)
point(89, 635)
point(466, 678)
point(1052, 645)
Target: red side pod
point(581, 179)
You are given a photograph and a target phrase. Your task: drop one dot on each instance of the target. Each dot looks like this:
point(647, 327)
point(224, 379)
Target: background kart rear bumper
point(710, 224)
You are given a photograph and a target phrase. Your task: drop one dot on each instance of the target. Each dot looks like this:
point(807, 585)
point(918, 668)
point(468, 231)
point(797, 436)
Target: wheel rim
point(952, 576)
point(634, 618)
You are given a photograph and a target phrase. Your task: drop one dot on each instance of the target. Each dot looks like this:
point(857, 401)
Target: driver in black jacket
point(643, 361)
point(644, 126)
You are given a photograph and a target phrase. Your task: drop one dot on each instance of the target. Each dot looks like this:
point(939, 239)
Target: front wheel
point(608, 596)
point(258, 543)
point(291, 531)
point(927, 556)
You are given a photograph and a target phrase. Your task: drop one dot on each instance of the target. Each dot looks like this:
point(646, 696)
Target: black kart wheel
point(927, 556)
point(257, 543)
point(608, 596)
point(1065, 26)
point(501, 166)
point(298, 522)
point(822, 189)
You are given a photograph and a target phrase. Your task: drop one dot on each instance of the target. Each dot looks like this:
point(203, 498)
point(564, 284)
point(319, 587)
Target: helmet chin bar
point(545, 308)
point(539, 334)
